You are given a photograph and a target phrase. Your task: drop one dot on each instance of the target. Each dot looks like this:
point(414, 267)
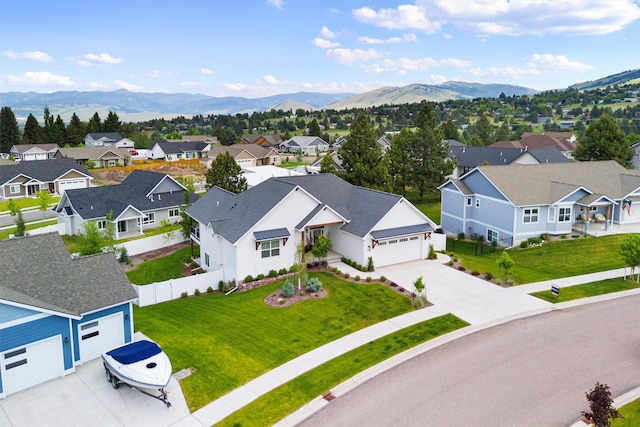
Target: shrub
point(432, 253)
point(545, 237)
point(563, 236)
point(229, 286)
point(524, 244)
point(383, 279)
point(313, 284)
point(184, 295)
point(344, 259)
point(273, 273)
point(354, 265)
point(368, 279)
point(346, 275)
point(193, 264)
point(287, 289)
point(450, 262)
point(248, 279)
point(370, 264)
point(338, 271)
point(357, 277)
point(439, 231)
point(360, 267)
point(534, 240)
point(283, 271)
point(488, 276)
point(301, 293)
point(461, 268)
point(196, 292)
point(461, 236)
point(475, 273)
point(209, 290)
point(124, 255)
point(220, 285)
point(260, 277)
point(455, 259)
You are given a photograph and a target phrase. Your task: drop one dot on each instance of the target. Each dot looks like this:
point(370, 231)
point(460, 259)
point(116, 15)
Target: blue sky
point(255, 48)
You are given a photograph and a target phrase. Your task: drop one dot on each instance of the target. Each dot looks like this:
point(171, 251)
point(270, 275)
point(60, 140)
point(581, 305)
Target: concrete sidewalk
point(474, 300)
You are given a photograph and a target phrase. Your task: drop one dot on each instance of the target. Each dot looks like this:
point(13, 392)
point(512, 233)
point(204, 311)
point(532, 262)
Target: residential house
point(468, 158)
point(307, 145)
point(257, 174)
point(178, 150)
point(101, 157)
point(258, 230)
point(140, 202)
point(211, 140)
point(57, 312)
point(337, 161)
point(25, 179)
point(107, 139)
point(266, 140)
point(384, 143)
point(512, 203)
point(25, 152)
point(565, 142)
point(248, 155)
point(636, 155)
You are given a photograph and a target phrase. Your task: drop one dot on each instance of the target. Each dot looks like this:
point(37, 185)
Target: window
point(564, 214)
point(413, 238)
point(122, 226)
point(551, 215)
point(468, 201)
point(101, 224)
point(492, 236)
point(14, 189)
point(530, 215)
point(206, 259)
point(593, 208)
point(391, 242)
point(44, 186)
point(111, 163)
point(150, 218)
point(477, 203)
point(382, 243)
point(404, 239)
point(270, 248)
point(174, 213)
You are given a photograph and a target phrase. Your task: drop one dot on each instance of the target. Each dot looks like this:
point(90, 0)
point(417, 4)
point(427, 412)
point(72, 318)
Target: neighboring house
point(468, 158)
point(339, 142)
point(25, 179)
point(59, 312)
point(258, 230)
point(511, 203)
point(384, 143)
point(107, 139)
point(266, 140)
point(307, 145)
point(257, 174)
point(212, 140)
point(102, 157)
point(26, 152)
point(248, 155)
point(337, 161)
point(140, 202)
point(178, 150)
point(565, 142)
point(636, 155)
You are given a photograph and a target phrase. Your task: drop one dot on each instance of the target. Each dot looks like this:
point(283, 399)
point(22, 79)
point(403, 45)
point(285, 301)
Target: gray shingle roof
point(547, 183)
point(42, 170)
point(232, 215)
point(38, 271)
point(475, 156)
point(114, 136)
point(180, 147)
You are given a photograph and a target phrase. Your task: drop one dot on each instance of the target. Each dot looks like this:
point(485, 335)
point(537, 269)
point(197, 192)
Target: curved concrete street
point(529, 372)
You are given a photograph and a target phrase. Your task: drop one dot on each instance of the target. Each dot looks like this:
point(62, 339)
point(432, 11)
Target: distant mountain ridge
point(625, 77)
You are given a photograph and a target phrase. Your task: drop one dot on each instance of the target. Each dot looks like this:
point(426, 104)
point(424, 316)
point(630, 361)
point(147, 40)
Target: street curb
point(345, 387)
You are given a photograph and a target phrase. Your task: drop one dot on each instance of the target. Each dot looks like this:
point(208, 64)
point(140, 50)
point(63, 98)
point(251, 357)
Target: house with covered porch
point(259, 229)
point(512, 203)
point(27, 178)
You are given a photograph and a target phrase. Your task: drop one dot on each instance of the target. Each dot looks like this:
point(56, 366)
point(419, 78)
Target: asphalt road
point(33, 215)
point(529, 372)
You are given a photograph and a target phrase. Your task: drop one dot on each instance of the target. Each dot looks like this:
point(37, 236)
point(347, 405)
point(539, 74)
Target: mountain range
point(140, 106)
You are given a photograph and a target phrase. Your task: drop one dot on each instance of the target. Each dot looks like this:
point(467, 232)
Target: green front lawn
point(26, 202)
point(230, 340)
point(289, 397)
point(552, 260)
point(161, 269)
point(631, 414)
point(4, 234)
point(588, 290)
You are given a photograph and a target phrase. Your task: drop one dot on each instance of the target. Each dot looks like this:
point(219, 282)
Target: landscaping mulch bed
point(275, 299)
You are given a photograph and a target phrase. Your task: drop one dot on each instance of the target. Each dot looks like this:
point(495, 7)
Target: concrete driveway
point(86, 398)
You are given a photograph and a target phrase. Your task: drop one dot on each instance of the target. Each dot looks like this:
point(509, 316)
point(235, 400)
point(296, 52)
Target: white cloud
point(403, 17)
point(349, 56)
point(270, 80)
point(324, 43)
point(327, 33)
point(514, 18)
point(96, 86)
point(391, 40)
point(128, 86)
point(235, 87)
point(556, 62)
point(437, 79)
point(508, 71)
point(278, 4)
point(39, 79)
point(91, 59)
point(154, 73)
point(32, 55)
point(402, 66)
point(206, 72)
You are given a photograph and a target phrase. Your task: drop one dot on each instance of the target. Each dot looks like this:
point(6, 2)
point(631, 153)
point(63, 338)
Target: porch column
point(608, 218)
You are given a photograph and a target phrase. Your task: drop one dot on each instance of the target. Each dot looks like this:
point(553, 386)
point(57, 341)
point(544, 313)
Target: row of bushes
point(272, 274)
point(368, 267)
point(357, 277)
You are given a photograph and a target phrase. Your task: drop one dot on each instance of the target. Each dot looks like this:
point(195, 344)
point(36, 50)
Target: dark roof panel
point(401, 231)
point(275, 233)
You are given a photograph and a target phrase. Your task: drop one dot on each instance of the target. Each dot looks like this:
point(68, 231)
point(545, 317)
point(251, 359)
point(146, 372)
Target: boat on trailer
point(140, 365)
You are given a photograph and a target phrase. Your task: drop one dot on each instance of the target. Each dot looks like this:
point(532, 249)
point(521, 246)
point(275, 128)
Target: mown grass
point(631, 414)
point(289, 397)
point(552, 260)
point(230, 340)
point(161, 269)
point(26, 202)
point(4, 234)
point(588, 290)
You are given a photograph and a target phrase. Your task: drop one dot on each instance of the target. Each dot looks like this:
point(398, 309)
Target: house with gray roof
point(247, 155)
point(138, 203)
point(59, 313)
point(101, 157)
point(258, 230)
point(512, 203)
point(178, 150)
point(469, 157)
point(307, 145)
point(25, 179)
point(107, 139)
point(28, 152)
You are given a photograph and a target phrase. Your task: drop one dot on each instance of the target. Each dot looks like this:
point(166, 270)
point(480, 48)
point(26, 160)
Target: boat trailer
point(115, 383)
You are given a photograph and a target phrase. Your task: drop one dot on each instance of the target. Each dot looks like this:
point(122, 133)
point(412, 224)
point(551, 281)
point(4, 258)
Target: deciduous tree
point(630, 251)
point(226, 174)
point(602, 411)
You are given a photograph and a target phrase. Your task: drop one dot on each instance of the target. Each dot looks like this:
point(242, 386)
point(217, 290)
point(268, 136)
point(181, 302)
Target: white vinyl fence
point(135, 247)
point(172, 289)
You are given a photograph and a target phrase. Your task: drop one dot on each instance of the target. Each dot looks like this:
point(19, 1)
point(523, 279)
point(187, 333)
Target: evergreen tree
point(362, 157)
point(33, 133)
point(9, 132)
point(75, 132)
point(59, 131)
point(314, 128)
point(604, 140)
point(429, 162)
point(226, 174)
point(112, 123)
point(327, 164)
point(450, 130)
point(400, 161)
point(48, 129)
point(95, 124)
point(484, 130)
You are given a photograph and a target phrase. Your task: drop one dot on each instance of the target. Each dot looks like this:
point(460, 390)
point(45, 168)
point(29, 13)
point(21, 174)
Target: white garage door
point(24, 367)
point(397, 250)
point(71, 184)
point(100, 335)
point(244, 163)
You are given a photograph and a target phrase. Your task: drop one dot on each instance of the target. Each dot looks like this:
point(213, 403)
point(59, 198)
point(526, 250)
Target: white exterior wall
point(347, 244)
point(156, 152)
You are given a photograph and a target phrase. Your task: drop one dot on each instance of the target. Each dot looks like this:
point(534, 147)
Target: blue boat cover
point(135, 352)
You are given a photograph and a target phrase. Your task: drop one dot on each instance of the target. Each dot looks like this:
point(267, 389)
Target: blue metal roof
point(276, 233)
point(401, 231)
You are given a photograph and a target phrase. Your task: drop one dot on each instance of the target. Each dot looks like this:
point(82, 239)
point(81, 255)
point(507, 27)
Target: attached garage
point(99, 335)
point(70, 184)
point(32, 364)
point(399, 244)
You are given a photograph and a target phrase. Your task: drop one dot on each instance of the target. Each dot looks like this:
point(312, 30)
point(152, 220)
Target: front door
point(122, 226)
point(311, 235)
